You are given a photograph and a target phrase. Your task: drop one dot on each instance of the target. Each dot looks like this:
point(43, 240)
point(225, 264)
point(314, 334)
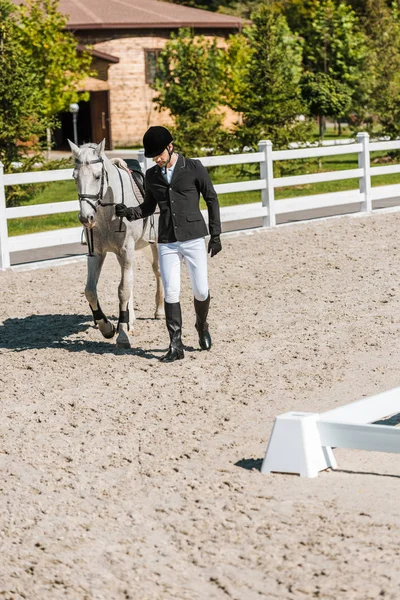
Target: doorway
point(100, 117)
point(93, 123)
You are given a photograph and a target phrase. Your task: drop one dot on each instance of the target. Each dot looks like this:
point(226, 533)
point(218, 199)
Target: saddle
point(138, 183)
point(136, 173)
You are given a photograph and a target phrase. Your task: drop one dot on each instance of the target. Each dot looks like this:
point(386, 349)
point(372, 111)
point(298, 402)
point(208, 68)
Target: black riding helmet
point(155, 141)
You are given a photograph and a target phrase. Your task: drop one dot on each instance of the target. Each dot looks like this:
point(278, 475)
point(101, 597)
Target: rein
point(98, 198)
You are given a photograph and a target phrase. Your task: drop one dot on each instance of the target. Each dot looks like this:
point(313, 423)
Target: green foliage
point(21, 194)
point(40, 71)
point(52, 49)
point(225, 6)
point(271, 95)
point(335, 44)
point(189, 86)
point(335, 58)
point(382, 113)
point(22, 115)
point(324, 95)
point(237, 59)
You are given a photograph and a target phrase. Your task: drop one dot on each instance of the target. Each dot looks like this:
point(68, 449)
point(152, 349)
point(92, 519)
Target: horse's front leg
point(125, 295)
point(94, 264)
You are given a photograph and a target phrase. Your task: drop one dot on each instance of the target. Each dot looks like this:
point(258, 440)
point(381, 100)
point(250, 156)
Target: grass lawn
point(57, 191)
point(66, 190)
point(342, 162)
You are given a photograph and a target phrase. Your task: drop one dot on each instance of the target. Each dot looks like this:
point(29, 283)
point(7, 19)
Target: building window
point(151, 71)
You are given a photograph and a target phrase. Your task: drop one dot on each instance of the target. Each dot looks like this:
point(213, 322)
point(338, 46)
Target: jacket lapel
point(179, 169)
point(159, 176)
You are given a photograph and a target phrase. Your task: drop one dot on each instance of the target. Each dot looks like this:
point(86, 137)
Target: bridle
point(96, 200)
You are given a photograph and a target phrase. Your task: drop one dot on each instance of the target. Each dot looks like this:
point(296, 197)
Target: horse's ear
point(74, 148)
point(100, 147)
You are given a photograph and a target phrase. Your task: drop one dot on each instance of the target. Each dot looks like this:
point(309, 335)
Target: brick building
point(126, 36)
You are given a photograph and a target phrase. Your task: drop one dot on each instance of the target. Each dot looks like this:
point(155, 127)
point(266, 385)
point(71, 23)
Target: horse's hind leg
point(94, 269)
point(125, 290)
point(151, 253)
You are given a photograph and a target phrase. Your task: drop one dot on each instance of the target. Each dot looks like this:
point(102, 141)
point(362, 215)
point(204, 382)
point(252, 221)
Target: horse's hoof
point(107, 330)
point(123, 345)
point(110, 335)
point(123, 340)
point(159, 315)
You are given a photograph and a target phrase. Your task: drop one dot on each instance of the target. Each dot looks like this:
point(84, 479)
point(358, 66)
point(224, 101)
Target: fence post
point(141, 159)
point(364, 164)
point(4, 253)
point(267, 173)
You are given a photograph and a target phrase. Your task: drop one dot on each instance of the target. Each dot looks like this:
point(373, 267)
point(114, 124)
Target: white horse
point(102, 184)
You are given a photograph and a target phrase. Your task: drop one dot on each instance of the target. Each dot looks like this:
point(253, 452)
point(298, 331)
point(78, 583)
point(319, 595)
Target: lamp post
point(74, 109)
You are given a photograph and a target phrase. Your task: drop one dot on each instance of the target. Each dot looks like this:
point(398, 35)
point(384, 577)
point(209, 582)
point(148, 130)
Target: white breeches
point(195, 255)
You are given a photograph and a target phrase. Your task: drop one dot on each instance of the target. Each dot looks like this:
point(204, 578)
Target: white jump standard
point(301, 443)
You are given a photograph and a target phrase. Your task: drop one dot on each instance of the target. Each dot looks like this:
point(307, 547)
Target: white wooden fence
point(267, 207)
point(302, 442)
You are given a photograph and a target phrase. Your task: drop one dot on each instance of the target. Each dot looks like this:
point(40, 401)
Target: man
point(174, 185)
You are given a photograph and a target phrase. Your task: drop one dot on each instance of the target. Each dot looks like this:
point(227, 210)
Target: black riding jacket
point(179, 202)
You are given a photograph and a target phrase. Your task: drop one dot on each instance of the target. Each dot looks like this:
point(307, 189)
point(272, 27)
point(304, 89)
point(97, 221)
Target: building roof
point(141, 14)
point(101, 55)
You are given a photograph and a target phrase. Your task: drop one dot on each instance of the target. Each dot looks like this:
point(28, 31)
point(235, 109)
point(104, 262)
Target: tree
point(237, 58)
point(382, 26)
point(271, 99)
point(335, 57)
point(22, 115)
point(53, 51)
point(40, 75)
point(325, 96)
point(189, 86)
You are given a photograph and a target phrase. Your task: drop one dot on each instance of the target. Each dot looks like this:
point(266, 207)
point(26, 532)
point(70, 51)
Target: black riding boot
point(173, 317)
point(201, 307)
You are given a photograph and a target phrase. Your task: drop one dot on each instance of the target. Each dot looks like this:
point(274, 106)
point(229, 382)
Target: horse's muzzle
point(87, 221)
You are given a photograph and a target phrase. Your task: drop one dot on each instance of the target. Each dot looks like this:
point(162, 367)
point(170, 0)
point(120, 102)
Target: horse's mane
point(119, 162)
point(90, 145)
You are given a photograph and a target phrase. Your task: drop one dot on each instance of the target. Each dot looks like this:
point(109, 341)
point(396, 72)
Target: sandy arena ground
point(127, 479)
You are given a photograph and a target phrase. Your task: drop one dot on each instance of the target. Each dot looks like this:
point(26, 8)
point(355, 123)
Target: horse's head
point(91, 179)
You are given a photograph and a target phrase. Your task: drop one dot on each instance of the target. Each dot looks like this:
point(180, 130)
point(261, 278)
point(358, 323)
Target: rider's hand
point(121, 210)
point(214, 245)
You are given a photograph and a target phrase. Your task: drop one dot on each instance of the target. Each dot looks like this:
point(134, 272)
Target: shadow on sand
point(53, 331)
point(250, 464)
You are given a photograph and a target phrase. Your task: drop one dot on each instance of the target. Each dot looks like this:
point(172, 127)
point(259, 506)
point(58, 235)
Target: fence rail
point(267, 208)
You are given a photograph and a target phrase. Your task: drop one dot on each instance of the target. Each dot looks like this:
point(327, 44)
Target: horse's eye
point(97, 177)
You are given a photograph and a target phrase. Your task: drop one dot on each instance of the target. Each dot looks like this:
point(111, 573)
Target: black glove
point(121, 210)
point(214, 245)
